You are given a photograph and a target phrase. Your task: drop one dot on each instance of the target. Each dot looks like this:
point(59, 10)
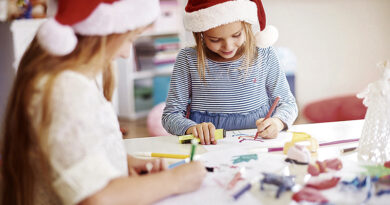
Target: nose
point(228, 45)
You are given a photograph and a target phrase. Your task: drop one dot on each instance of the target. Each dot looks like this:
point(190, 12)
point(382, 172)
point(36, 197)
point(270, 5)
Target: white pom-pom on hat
point(92, 18)
point(267, 37)
point(57, 39)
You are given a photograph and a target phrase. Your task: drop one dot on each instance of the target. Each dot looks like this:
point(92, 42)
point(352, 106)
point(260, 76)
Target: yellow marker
point(299, 137)
point(186, 139)
point(162, 155)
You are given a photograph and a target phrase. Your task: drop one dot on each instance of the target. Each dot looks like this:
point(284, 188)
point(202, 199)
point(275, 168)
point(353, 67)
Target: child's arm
point(277, 86)
point(150, 188)
point(173, 118)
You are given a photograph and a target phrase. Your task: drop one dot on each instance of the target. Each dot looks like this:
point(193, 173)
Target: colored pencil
point(270, 112)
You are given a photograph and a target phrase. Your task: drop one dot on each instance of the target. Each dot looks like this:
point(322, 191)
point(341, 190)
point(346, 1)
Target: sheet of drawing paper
point(210, 192)
point(244, 139)
point(224, 159)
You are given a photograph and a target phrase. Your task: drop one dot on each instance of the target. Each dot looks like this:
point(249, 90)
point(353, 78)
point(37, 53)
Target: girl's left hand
point(269, 128)
point(137, 166)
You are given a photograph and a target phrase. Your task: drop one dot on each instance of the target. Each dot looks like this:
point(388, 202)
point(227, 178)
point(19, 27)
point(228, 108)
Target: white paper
point(233, 139)
point(214, 188)
point(209, 193)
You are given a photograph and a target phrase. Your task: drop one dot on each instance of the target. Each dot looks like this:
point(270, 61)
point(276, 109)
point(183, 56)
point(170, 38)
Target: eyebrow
point(232, 34)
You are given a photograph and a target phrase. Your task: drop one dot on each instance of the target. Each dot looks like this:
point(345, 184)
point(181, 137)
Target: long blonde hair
point(22, 150)
point(250, 51)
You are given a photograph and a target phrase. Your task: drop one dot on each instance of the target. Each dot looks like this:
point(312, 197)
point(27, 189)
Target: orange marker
point(269, 112)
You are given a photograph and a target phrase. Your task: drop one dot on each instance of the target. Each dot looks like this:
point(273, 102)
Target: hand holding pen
point(269, 127)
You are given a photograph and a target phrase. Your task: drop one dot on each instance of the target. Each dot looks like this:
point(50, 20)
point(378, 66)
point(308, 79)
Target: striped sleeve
point(173, 118)
point(277, 85)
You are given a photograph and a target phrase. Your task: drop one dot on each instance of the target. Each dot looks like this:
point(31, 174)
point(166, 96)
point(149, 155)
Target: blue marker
point(177, 163)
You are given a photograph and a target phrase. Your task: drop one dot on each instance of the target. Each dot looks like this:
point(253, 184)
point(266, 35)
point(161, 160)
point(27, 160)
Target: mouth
point(227, 53)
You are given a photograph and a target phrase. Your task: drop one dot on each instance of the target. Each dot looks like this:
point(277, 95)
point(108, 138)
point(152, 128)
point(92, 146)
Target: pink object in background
point(153, 122)
point(340, 108)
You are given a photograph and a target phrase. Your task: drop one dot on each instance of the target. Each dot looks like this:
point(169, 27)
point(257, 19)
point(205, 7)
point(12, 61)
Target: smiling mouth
point(227, 53)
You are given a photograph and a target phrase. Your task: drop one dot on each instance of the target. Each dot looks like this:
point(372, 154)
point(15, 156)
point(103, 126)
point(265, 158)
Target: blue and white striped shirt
point(227, 90)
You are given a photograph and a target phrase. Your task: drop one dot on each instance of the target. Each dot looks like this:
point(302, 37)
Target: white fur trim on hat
point(56, 38)
point(267, 37)
point(220, 14)
point(119, 17)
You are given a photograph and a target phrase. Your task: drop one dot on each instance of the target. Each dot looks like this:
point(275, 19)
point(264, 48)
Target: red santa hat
point(93, 18)
point(202, 15)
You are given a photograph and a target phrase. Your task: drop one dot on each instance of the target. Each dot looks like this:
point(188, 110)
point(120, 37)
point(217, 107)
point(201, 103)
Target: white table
point(334, 130)
point(169, 144)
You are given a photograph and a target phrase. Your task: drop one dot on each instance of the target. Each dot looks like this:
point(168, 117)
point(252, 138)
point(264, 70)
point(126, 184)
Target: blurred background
point(328, 48)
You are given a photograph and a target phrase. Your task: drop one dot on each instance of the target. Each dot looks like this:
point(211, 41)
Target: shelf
point(152, 73)
point(159, 33)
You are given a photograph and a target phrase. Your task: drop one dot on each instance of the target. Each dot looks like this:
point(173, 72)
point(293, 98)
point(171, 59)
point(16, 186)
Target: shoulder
point(72, 88)
point(73, 79)
point(265, 52)
point(188, 52)
point(73, 82)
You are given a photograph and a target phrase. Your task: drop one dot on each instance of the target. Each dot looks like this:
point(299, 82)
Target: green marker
point(194, 142)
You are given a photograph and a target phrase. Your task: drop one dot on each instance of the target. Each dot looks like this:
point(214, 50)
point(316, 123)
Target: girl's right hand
point(189, 176)
point(204, 131)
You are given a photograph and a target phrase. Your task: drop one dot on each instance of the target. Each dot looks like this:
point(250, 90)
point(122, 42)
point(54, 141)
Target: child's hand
point(189, 176)
point(269, 128)
point(204, 131)
point(137, 166)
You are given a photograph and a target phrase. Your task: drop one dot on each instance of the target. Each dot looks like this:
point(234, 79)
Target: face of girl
point(225, 40)
point(124, 50)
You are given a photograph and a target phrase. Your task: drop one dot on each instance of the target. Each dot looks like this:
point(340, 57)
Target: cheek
point(213, 46)
point(240, 41)
point(124, 51)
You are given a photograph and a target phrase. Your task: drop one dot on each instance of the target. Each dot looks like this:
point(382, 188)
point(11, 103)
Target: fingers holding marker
point(199, 129)
point(212, 133)
point(206, 132)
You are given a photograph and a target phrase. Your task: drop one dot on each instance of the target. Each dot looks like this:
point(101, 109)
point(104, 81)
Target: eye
point(214, 40)
point(237, 35)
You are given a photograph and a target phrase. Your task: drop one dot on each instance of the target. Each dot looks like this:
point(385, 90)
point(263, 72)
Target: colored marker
point(242, 191)
point(162, 155)
point(194, 142)
point(186, 139)
point(237, 177)
point(349, 149)
point(177, 163)
point(277, 149)
point(270, 112)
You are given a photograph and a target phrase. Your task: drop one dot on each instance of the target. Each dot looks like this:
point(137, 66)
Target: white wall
point(337, 43)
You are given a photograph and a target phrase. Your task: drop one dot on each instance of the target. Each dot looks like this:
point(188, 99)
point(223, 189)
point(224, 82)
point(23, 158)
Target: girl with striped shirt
point(231, 77)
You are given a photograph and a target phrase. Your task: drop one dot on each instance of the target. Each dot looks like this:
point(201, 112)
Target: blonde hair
point(22, 150)
point(250, 51)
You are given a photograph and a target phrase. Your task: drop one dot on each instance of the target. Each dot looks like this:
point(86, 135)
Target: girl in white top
point(62, 143)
